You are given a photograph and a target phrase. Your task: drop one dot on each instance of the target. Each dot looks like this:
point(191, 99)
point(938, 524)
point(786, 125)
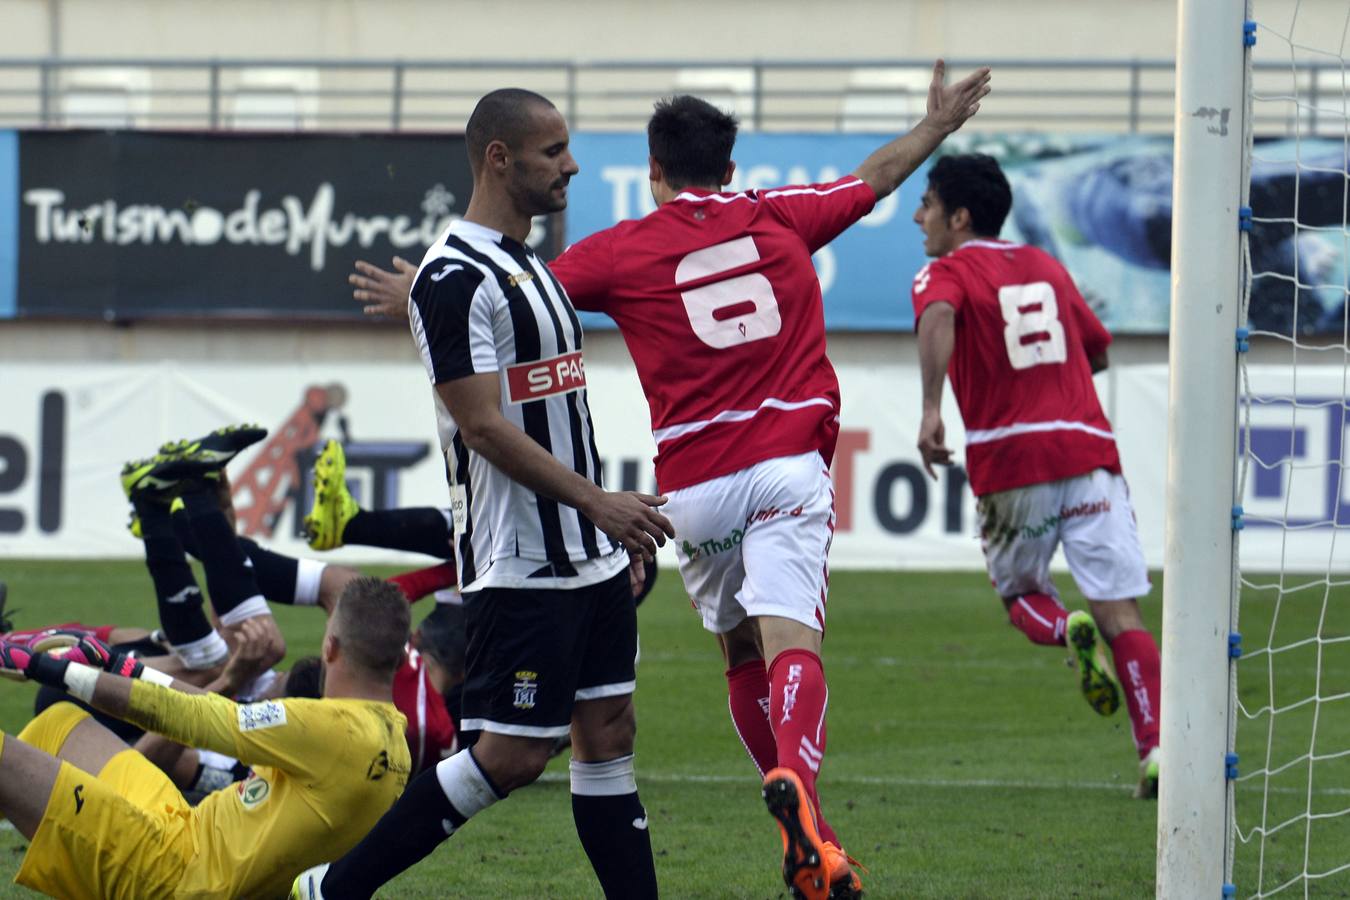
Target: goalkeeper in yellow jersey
point(323, 770)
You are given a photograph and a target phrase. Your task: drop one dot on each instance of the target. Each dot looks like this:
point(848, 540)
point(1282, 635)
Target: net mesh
point(1291, 800)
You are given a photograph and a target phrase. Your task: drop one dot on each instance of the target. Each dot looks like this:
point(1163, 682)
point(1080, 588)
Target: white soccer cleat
point(306, 884)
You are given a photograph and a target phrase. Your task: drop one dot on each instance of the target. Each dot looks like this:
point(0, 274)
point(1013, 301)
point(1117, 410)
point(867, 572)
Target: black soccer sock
point(612, 826)
point(176, 592)
point(229, 575)
point(435, 805)
point(275, 573)
point(422, 529)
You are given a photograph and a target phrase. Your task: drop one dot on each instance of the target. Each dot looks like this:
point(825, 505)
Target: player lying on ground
point(103, 822)
point(707, 288)
point(1020, 344)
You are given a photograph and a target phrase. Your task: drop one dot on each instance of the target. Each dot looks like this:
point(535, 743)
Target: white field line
point(902, 781)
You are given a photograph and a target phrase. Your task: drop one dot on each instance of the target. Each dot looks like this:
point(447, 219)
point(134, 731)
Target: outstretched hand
point(383, 292)
point(949, 106)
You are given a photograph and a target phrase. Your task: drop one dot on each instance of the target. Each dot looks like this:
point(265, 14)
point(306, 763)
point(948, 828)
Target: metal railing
point(1127, 96)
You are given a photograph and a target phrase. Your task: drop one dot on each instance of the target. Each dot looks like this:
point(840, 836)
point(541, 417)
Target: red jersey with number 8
point(1020, 367)
point(720, 306)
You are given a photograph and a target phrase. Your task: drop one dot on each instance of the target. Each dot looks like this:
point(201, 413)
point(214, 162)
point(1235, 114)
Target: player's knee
point(1115, 617)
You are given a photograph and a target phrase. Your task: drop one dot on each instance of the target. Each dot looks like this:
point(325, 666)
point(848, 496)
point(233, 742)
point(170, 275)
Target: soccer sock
point(420, 582)
point(1040, 617)
point(229, 574)
point(275, 573)
point(422, 529)
point(1137, 666)
point(797, 700)
point(612, 826)
point(176, 593)
point(748, 700)
point(435, 804)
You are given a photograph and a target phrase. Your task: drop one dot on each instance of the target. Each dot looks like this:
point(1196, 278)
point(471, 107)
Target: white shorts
point(755, 542)
point(1090, 514)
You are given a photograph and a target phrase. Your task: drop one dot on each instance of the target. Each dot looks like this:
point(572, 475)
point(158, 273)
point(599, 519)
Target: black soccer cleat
point(162, 478)
point(220, 446)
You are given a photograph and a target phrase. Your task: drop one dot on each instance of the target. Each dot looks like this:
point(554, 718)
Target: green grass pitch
point(961, 762)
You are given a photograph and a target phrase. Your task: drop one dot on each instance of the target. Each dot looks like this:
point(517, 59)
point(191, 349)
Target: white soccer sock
point(612, 778)
point(465, 786)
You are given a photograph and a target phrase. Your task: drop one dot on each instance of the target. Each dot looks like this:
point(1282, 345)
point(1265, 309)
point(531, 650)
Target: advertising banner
point(66, 433)
point(1101, 204)
point(124, 225)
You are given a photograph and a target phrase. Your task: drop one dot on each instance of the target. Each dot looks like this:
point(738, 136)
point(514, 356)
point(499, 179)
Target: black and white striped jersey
point(483, 302)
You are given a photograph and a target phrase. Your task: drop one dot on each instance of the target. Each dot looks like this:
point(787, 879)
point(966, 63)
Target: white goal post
point(1194, 800)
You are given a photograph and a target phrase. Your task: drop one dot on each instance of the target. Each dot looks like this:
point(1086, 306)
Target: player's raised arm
point(949, 106)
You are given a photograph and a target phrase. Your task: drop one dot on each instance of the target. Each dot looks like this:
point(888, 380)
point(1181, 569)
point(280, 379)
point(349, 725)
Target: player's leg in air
point(753, 550)
point(1101, 544)
point(336, 519)
point(193, 472)
point(1091, 515)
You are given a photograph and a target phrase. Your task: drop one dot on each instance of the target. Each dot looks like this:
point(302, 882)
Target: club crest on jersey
point(253, 791)
point(545, 377)
point(526, 686)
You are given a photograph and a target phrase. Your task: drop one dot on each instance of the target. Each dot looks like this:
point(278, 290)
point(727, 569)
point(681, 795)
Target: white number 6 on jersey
point(759, 317)
point(1034, 335)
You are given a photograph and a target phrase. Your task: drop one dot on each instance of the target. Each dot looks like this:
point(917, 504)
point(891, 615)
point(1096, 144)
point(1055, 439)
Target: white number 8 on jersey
point(1034, 336)
point(747, 302)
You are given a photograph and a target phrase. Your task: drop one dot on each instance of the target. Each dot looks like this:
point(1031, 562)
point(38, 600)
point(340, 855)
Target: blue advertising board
point(9, 223)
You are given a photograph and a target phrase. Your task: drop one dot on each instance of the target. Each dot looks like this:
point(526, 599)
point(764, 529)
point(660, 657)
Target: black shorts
point(533, 653)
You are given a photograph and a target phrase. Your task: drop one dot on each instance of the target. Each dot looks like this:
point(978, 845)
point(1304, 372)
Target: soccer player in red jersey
point(1006, 322)
point(718, 302)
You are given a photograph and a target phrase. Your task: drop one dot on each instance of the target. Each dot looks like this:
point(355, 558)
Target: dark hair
point(305, 678)
point(443, 636)
point(692, 140)
point(504, 115)
point(371, 625)
point(974, 182)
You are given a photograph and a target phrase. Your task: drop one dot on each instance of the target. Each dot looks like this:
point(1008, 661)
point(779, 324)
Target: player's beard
point(540, 201)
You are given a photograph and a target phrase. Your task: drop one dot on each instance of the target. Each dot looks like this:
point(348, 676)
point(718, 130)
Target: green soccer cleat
point(1099, 684)
point(162, 478)
point(1148, 775)
point(220, 446)
point(333, 506)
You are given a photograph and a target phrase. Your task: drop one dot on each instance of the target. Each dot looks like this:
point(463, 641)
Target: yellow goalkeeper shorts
point(122, 834)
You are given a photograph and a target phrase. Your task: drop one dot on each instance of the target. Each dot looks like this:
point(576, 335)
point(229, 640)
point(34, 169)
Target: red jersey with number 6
point(720, 306)
point(1020, 367)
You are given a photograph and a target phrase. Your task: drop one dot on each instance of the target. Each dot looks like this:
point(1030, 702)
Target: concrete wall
point(618, 29)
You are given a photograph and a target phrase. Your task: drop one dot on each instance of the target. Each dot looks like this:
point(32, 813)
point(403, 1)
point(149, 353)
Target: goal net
point(1289, 781)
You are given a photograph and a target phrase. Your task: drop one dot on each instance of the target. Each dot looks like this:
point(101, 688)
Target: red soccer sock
point(748, 700)
point(1040, 617)
point(1139, 670)
point(797, 700)
point(420, 582)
